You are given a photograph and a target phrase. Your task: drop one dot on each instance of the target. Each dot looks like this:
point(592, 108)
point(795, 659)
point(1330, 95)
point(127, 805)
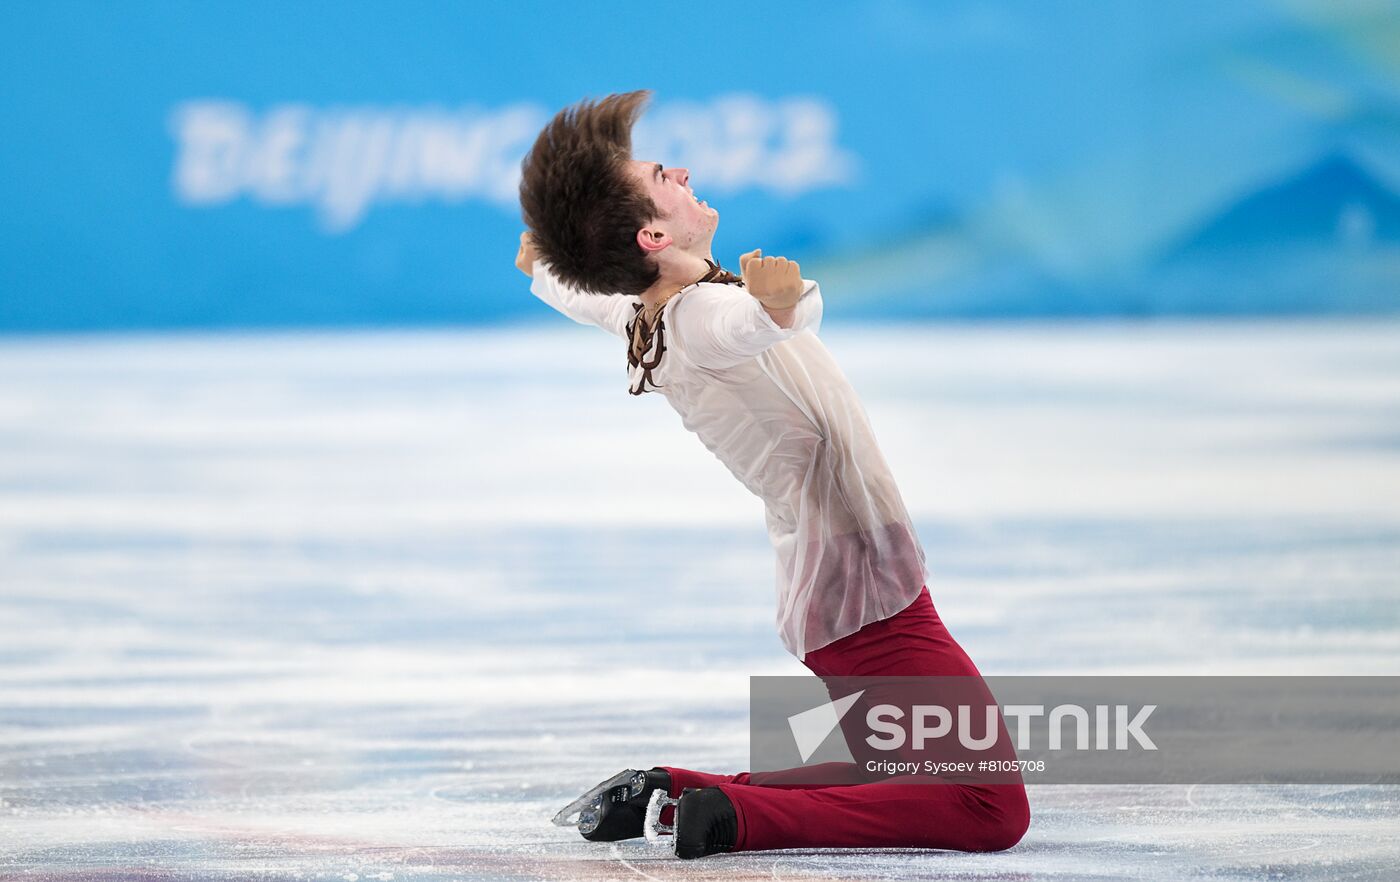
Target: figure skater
point(623, 244)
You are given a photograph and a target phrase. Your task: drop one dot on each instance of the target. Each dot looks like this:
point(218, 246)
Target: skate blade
point(569, 815)
point(652, 826)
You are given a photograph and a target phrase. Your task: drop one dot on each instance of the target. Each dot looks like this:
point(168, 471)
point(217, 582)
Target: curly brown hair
point(581, 206)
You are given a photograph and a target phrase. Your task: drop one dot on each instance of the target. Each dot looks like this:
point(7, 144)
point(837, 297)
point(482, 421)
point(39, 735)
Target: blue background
point(1007, 160)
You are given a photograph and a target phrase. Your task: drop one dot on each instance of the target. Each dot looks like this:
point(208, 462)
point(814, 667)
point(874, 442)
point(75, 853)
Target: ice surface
point(373, 606)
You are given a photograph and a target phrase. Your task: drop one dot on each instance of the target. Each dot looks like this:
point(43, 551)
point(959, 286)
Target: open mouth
point(699, 202)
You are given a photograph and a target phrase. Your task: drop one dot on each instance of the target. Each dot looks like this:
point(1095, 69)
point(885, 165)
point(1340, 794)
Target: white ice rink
point(372, 606)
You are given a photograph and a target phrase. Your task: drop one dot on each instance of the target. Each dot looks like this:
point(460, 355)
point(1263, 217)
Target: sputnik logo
point(810, 728)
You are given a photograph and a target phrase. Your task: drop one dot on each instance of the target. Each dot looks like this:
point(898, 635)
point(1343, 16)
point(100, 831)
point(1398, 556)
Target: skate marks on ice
point(1243, 833)
point(344, 606)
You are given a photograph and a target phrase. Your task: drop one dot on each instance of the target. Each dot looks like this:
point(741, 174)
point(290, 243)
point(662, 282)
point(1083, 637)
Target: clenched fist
point(776, 282)
point(525, 258)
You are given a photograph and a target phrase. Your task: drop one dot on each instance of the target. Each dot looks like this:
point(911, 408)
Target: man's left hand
point(776, 282)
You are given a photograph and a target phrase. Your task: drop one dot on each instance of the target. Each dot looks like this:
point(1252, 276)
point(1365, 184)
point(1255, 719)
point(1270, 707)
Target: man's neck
point(685, 270)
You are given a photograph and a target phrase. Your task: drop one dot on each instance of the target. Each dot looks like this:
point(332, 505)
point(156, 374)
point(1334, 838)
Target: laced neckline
point(646, 332)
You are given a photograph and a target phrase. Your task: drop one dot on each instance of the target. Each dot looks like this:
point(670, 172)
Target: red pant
point(893, 812)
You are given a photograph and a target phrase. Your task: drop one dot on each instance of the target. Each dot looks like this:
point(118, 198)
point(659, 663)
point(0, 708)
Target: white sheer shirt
point(772, 405)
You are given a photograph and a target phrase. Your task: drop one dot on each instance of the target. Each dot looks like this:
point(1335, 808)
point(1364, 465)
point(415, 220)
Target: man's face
point(690, 223)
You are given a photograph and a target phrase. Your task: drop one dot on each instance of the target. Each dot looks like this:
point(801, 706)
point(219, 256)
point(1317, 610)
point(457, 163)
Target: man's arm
point(611, 312)
point(718, 326)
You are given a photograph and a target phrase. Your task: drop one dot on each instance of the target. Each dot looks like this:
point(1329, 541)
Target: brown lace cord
point(642, 335)
point(642, 332)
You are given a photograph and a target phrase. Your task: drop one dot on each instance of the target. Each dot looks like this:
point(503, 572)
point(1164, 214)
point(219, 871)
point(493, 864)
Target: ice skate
point(616, 808)
point(706, 823)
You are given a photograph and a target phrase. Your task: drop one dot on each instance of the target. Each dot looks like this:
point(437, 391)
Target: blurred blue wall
point(288, 164)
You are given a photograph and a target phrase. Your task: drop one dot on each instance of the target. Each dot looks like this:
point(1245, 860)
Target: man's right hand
point(525, 258)
point(776, 282)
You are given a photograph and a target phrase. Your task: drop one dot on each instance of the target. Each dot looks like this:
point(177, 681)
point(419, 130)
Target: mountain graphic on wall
point(1333, 201)
point(1323, 240)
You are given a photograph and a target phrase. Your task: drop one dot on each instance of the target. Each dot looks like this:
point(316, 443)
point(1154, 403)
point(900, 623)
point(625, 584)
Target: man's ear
point(653, 240)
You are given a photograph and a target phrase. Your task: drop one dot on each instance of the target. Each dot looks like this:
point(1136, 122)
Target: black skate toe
point(706, 823)
point(620, 811)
